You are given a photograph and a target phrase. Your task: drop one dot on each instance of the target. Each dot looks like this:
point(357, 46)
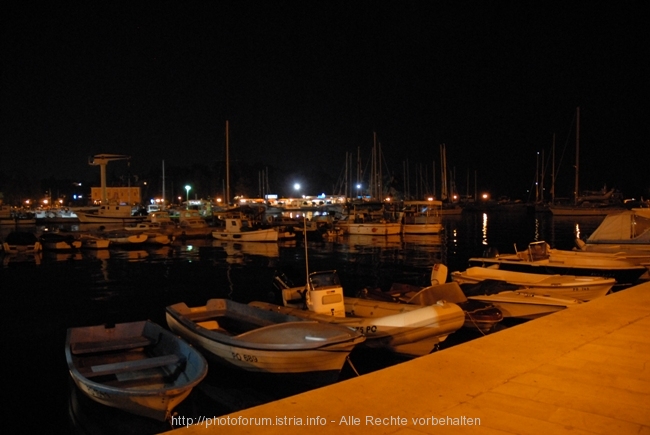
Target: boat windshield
point(324, 279)
point(538, 250)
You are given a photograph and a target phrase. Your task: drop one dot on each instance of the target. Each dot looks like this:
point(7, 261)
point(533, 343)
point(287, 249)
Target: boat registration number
point(367, 330)
point(244, 357)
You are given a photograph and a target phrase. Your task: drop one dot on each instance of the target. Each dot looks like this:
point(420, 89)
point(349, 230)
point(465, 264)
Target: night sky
point(302, 83)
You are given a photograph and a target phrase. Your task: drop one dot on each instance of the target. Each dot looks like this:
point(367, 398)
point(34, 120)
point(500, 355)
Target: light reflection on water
point(61, 290)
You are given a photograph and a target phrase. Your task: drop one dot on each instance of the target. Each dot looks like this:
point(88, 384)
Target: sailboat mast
point(433, 177)
point(227, 167)
point(577, 154)
point(163, 184)
point(380, 187)
point(537, 179)
point(553, 174)
point(358, 169)
point(541, 178)
point(443, 175)
point(373, 166)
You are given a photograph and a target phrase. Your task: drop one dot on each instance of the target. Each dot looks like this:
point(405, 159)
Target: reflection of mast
point(102, 160)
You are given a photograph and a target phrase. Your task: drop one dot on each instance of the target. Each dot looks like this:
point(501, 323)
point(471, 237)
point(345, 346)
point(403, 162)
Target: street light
point(187, 189)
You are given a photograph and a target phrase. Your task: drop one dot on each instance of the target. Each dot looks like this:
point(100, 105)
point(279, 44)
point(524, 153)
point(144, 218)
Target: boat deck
point(584, 370)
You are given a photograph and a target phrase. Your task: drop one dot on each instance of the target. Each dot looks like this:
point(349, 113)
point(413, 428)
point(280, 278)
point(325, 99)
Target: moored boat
point(370, 219)
point(371, 228)
point(409, 330)
point(138, 367)
point(261, 341)
point(109, 214)
point(156, 233)
point(240, 230)
point(192, 225)
point(483, 316)
point(21, 242)
point(422, 217)
point(539, 258)
point(522, 304)
point(125, 238)
point(620, 232)
point(576, 287)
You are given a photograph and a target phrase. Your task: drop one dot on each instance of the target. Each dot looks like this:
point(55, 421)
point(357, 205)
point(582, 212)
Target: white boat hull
point(622, 271)
point(371, 229)
point(119, 214)
point(575, 287)
point(90, 218)
point(405, 329)
point(526, 305)
point(279, 345)
point(254, 360)
point(268, 235)
point(421, 228)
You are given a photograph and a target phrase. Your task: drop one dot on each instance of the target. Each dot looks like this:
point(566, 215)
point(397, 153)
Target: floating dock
point(584, 370)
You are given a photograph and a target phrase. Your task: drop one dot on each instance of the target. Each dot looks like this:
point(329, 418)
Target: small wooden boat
point(21, 242)
point(409, 330)
point(539, 258)
point(262, 341)
point(583, 288)
point(138, 367)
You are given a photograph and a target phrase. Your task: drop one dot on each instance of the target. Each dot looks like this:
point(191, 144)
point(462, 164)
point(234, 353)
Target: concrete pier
point(585, 370)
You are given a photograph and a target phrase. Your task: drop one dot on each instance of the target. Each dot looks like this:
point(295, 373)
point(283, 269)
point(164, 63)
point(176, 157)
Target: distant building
point(117, 195)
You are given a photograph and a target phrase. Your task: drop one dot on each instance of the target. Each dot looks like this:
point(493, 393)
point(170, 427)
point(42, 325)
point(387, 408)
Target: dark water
point(42, 299)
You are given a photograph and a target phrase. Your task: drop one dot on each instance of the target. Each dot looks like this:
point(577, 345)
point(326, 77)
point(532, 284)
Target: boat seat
point(201, 315)
point(209, 324)
point(131, 366)
point(82, 347)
